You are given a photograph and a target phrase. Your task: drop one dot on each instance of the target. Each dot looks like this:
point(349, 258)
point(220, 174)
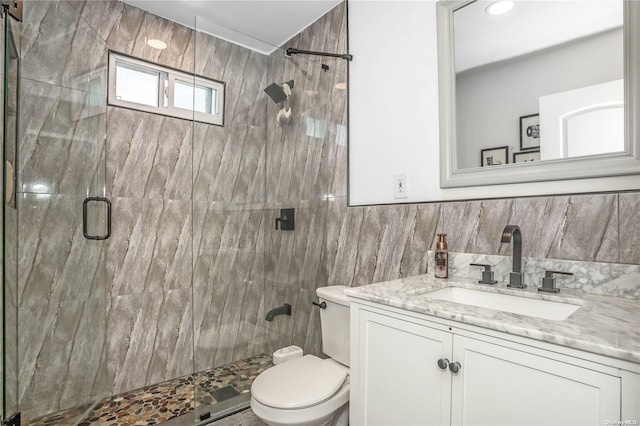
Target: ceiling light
point(499, 7)
point(341, 86)
point(157, 44)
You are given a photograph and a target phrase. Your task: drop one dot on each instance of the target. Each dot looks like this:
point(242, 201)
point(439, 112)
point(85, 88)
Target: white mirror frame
point(615, 164)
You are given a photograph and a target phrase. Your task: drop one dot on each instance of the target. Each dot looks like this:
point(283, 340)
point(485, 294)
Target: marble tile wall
point(60, 277)
point(306, 167)
point(184, 264)
point(588, 227)
point(185, 195)
point(228, 209)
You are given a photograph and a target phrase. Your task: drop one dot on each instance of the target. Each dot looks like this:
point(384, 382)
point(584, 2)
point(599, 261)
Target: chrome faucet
point(516, 277)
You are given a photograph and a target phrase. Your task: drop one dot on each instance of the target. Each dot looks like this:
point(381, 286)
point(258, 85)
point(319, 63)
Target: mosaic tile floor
point(158, 403)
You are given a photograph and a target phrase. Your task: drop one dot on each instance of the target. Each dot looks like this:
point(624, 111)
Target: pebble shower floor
point(158, 403)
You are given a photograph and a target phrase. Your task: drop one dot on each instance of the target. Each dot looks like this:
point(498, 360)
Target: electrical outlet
point(400, 185)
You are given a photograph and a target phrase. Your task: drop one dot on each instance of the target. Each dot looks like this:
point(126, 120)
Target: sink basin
point(545, 309)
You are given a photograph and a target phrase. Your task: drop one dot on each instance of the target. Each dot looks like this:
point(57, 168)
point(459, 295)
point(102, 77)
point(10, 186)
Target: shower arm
point(293, 51)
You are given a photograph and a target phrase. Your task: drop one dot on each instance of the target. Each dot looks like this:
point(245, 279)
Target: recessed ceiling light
point(499, 7)
point(157, 44)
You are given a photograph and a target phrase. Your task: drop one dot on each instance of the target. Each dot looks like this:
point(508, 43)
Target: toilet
point(310, 391)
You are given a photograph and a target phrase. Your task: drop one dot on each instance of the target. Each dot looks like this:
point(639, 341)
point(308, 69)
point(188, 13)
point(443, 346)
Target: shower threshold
point(207, 414)
point(200, 398)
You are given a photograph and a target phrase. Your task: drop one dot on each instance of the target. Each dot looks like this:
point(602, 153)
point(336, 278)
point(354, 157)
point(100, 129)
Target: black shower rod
point(293, 51)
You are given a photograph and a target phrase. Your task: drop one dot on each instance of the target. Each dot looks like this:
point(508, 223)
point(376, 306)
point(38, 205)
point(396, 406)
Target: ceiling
point(480, 39)
point(530, 26)
point(261, 25)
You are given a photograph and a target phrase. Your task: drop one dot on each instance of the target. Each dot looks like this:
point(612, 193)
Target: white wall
point(393, 123)
point(393, 89)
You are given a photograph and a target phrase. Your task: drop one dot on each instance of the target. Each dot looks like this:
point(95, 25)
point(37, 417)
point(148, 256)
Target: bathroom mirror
point(517, 106)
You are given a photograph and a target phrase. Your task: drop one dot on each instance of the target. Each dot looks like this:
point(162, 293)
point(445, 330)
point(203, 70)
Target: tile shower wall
point(228, 209)
point(306, 167)
point(60, 287)
point(188, 198)
point(184, 195)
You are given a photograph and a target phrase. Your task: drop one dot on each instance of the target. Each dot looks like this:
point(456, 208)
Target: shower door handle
point(85, 209)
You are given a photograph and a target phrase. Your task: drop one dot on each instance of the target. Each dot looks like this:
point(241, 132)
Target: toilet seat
point(299, 383)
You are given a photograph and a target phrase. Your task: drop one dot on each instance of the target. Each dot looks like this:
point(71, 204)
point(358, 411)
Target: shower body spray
point(441, 269)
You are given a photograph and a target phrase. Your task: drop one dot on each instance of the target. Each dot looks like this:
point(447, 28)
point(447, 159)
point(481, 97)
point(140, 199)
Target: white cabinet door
point(398, 379)
point(497, 385)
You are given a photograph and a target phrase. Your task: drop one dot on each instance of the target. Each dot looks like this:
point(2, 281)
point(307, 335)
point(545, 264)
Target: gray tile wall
point(187, 196)
point(60, 285)
point(228, 209)
point(306, 167)
point(102, 318)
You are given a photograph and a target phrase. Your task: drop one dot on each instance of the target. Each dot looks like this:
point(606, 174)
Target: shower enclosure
point(9, 65)
point(194, 262)
point(54, 277)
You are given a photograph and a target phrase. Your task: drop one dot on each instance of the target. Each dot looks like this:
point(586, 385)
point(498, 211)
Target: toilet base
point(341, 418)
point(338, 418)
point(333, 412)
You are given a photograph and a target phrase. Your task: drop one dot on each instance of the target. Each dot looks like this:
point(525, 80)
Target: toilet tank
point(334, 321)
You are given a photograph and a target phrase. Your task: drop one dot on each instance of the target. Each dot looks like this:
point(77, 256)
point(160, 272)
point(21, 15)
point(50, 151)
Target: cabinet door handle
point(443, 363)
point(454, 367)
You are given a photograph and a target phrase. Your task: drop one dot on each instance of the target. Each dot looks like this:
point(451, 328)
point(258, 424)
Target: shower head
point(279, 93)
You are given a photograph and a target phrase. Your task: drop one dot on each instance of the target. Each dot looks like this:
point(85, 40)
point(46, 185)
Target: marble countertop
point(603, 325)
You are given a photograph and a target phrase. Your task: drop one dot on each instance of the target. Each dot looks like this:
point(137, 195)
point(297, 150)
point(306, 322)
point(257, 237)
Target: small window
point(145, 86)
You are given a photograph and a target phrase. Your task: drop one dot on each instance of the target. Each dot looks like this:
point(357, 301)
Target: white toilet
point(309, 391)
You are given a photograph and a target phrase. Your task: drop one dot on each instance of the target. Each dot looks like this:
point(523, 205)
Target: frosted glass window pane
point(204, 97)
point(136, 86)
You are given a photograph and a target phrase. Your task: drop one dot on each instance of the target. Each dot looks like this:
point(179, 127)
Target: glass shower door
point(59, 289)
point(10, 66)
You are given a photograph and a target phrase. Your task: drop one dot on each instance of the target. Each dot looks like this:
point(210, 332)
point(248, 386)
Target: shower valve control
point(287, 220)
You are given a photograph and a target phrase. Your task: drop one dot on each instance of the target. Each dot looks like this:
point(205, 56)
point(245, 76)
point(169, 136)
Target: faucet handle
point(487, 274)
point(549, 281)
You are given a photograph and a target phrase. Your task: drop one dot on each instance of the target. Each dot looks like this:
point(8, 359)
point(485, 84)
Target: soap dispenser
point(442, 257)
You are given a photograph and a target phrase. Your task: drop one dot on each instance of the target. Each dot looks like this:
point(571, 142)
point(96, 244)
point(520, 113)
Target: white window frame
point(171, 76)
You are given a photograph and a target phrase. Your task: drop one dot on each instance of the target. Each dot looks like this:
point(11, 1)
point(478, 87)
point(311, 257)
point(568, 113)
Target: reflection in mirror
point(545, 79)
point(576, 90)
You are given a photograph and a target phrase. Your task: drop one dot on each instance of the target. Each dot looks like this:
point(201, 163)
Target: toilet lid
point(298, 383)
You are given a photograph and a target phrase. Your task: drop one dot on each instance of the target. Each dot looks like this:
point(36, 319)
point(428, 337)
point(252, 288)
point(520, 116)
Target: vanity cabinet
point(401, 374)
